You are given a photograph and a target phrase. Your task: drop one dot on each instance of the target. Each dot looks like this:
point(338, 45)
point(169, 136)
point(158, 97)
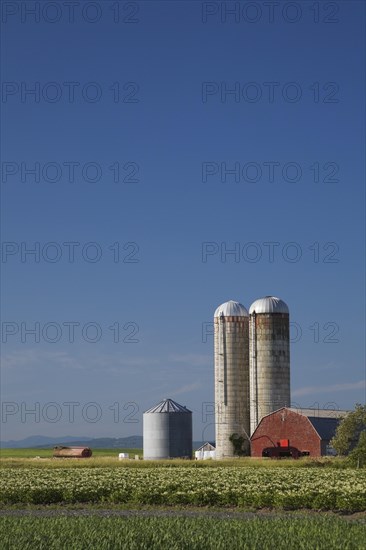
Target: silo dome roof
point(168, 406)
point(231, 309)
point(269, 304)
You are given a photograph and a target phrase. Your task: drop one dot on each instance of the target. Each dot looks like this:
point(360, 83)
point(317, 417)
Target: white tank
point(269, 357)
point(123, 456)
point(231, 322)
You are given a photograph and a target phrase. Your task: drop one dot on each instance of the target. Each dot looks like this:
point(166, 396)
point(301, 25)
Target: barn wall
point(285, 424)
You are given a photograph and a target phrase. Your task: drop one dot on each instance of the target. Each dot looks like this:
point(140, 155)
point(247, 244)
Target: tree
point(358, 455)
point(349, 431)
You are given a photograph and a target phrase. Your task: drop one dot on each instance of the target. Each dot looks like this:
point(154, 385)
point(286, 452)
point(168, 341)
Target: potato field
point(246, 487)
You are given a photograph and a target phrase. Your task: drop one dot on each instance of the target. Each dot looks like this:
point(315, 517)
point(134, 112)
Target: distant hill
point(131, 442)
point(41, 441)
point(37, 441)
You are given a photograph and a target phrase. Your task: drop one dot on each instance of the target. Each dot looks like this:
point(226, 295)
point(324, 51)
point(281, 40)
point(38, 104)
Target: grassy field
point(29, 458)
point(179, 533)
point(47, 453)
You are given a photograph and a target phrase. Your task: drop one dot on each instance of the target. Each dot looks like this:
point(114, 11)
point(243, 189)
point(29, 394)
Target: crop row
point(108, 458)
point(246, 487)
point(178, 533)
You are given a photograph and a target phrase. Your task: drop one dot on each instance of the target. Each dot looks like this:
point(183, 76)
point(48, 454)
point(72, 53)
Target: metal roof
point(208, 446)
point(231, 309)
point(326, 427)
point(320, 413)
point(324, 421)
point(268, 304)
point(168, 406)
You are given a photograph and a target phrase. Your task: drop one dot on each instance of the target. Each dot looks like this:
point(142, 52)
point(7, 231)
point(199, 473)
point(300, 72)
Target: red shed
point(290, 432)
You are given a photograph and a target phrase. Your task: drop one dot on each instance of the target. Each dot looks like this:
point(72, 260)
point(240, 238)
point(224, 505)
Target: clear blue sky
point(177, 123)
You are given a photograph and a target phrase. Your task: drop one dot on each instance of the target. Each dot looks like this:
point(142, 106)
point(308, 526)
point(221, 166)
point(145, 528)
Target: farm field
point(109, 457)
point(104, 503)
point(179, 533)
point(195, 484)
point(47, 453)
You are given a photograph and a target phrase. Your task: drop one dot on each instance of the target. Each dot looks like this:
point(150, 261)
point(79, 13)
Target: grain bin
point(167, 431)
point(231, 378)
point(269, 353)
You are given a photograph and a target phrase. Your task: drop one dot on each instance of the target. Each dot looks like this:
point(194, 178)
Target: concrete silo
point(231, 322)
point(269, 357)
point(167, 431)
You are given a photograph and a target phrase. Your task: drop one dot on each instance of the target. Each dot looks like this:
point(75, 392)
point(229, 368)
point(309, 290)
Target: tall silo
point(231, 322)
point(269, 357)
point(167, 431)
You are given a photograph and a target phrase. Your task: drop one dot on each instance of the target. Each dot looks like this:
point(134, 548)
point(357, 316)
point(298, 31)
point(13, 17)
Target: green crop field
point(49, 503)
point(225, 485)
point(180, 533)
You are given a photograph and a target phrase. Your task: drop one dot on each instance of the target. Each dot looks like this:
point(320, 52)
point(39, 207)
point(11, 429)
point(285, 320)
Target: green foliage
point(288, 488)
point(358, 455)
point(349, 430)
point(180, 533)
point(237, 442)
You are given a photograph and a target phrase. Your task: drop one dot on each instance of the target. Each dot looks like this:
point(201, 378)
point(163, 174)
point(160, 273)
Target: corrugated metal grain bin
point(167, 431)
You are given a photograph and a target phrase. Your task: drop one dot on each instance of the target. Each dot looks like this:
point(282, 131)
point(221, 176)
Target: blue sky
point(298, 109)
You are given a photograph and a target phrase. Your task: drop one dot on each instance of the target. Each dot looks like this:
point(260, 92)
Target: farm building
point(207, 450)
point(167, 431)
point(71, 452)
point(208, 446)
point(252, 368)
point(290, 432)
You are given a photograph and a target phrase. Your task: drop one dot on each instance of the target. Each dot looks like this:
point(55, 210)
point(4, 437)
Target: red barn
point(290, 432)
